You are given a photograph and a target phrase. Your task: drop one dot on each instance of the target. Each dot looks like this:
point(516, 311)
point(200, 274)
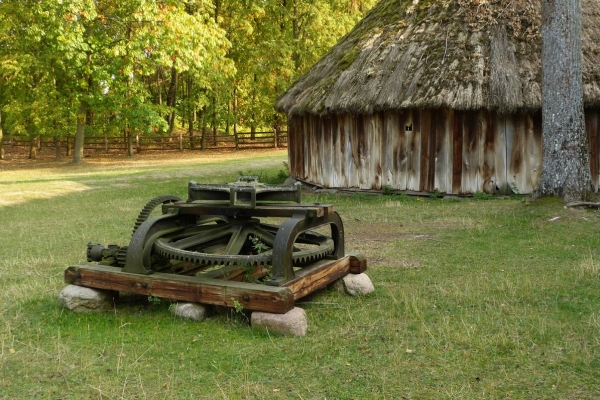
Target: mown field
point(475, 299)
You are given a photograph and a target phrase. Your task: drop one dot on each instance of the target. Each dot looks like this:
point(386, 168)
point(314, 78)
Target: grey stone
point(290, 181)
point(354, 284)
point(293, 322)
point(84, 299)
point(195, 311)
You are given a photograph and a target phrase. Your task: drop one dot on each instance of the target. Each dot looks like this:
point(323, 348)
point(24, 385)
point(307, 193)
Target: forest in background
point(71, 68)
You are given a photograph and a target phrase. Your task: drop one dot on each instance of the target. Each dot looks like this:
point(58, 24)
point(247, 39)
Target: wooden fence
point(99, 144)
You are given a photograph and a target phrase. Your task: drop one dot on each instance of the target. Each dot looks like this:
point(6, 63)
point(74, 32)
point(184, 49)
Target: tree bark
point(129, 142)
point(32, 148)
point(1, 137)
point(566, 162)
point(79, 134)
point(57, 156)
point(172, 98)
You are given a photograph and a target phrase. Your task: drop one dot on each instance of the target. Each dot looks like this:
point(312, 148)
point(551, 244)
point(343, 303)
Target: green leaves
point(133, 58)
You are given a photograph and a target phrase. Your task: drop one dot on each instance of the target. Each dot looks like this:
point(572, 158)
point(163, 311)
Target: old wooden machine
point(214, 249)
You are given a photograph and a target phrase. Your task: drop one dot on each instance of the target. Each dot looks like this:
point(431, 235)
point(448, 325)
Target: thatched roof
point(460, 54)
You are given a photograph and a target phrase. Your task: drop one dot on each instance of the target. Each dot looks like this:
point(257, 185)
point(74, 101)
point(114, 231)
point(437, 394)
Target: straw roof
point(460, 54)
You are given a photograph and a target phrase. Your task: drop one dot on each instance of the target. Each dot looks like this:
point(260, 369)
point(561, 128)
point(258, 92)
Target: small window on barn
point(408, 127)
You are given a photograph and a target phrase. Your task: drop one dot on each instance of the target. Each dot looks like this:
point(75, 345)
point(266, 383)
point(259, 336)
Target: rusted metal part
point(218, 223)
point(217, 236)
point(244, 193)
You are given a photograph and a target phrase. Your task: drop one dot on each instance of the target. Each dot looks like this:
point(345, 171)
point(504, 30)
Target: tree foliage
point(104, 67)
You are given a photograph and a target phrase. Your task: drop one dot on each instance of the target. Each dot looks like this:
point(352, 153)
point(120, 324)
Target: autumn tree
point(566, 163)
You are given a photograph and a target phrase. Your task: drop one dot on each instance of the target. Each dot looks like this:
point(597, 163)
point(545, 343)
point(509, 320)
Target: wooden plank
point(315, 172)
point(443, 154)
point(346, 152)
point(358, 263)
point(426, 134)
point(516, 171)
point(364, 151)
point(323, 152)
point(194, 289)
point(388, 140)
point(591, 128)
point(317, 276)
point(470, 152)
point(375, 171)
point(355, 177)
point(499, 130)
point(534, 149)
point(306, 134)
point(414, 150)
point(401, 129)
point(336, 154)
point(457, 151)
point(488, 158)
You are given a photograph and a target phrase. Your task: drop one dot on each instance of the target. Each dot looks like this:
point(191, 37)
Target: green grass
point(474, 300)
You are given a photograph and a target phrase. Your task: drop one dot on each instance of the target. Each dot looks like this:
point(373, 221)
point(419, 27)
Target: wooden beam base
point(222, 292)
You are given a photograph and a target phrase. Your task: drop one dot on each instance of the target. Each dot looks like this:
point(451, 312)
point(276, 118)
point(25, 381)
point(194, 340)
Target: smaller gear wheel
point(151, 205)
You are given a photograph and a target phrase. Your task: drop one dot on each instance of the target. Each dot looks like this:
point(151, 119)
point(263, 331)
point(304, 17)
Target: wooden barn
point(426, 95)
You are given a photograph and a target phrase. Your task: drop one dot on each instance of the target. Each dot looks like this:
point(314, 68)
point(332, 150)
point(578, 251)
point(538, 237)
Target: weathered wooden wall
point(459, 152)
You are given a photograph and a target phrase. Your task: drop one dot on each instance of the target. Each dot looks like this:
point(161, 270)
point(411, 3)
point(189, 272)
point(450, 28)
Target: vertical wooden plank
point(500, 144)
point(374, 138)
point(591, 129)
point(481, 129)
point(426, 134)
point(490, 180)
point(315, 155)
point(336, 159)
point(516, 176)
point(307, 140)
point(324, 151)
point(292, 148)
point(535, 150)
point(399, 171)
point(457, 151)
point(355, 143)
point(403, 134)
point(442, 153)
point(388, 149)
point(350, 167)
point(414, 149)
point(470, 152)
point(430, 185)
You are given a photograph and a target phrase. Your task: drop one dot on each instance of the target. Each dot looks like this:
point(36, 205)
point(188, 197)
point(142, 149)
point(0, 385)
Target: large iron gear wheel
point(238, 243)
point(151, 205)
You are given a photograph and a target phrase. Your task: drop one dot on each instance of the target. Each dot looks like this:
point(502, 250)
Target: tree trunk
point(1, 137)
point(191, 111)
point(235, 131)
point(129, 142)
point(214, 119)
point(32, 148)
point(566, 161)
point(79, 134)
point(172, 98)
point(201, 120)
point(57, 155)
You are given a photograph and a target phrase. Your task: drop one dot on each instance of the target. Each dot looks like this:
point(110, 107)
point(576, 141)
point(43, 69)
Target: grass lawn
point(475, 299)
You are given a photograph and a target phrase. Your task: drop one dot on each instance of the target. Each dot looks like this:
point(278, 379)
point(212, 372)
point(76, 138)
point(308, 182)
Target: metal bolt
point(246, 297)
